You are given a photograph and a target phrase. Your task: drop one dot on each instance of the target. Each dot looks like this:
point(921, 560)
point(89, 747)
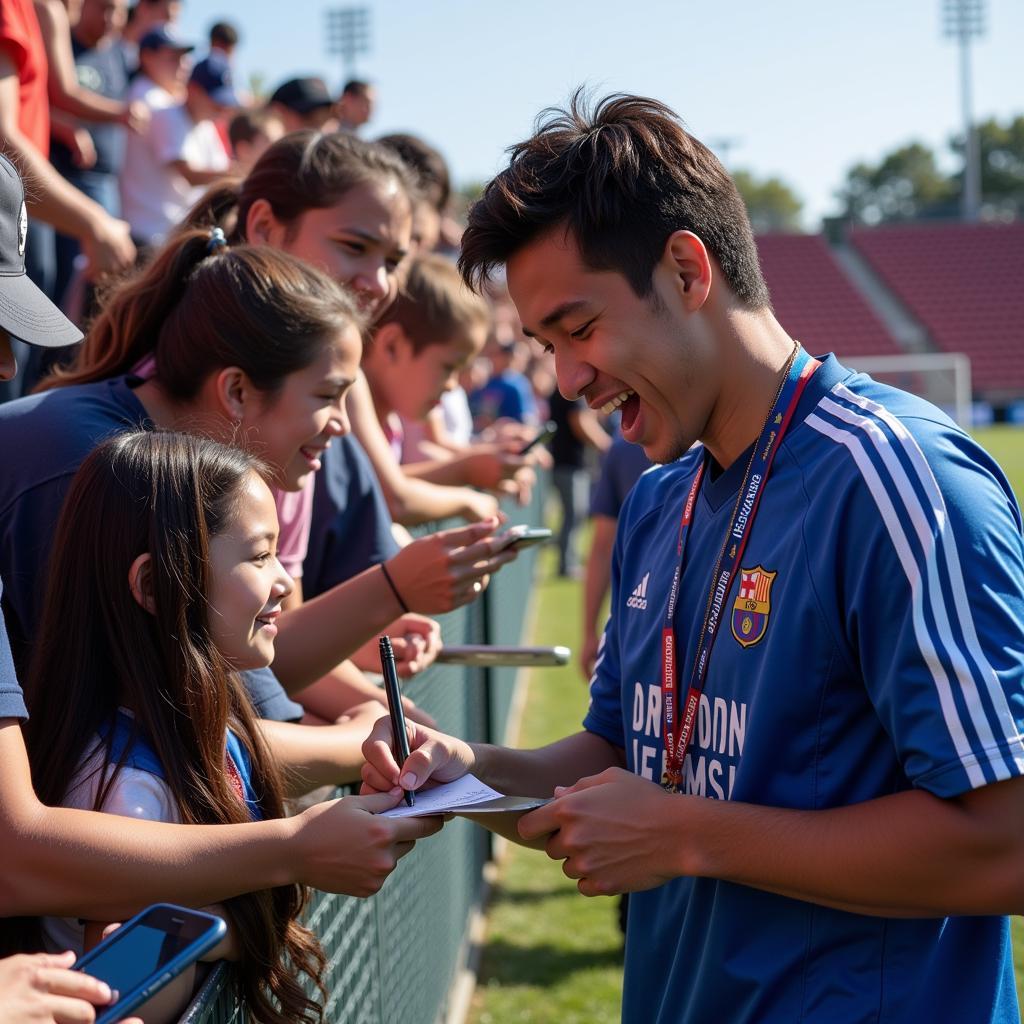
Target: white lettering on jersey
point(638, 599)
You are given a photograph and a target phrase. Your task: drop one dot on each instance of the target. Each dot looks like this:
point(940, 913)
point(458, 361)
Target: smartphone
point(522, 537)
point(488, 654)
point(147, 952)
point(545, 433)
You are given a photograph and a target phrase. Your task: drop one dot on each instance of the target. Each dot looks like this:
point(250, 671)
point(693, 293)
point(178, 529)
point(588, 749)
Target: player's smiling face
point(652, 357)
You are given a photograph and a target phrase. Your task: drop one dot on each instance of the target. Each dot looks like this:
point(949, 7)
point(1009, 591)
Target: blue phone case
point(150, 983)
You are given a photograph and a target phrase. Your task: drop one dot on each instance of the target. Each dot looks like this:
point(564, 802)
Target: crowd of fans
point(281, 371)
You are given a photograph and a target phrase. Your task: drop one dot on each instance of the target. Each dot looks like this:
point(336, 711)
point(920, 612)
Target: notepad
point(467, 795)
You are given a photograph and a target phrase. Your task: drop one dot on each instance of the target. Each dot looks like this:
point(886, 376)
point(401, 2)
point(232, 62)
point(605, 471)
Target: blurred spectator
point(623, 464)
point(304, 103)
point(433, 182)
point(25, 129)
point(163, 70)
point(355, 105)
point(224, 38)
point(98, 65)
point(179, 155)
point(578, 429)
point(250, 132)
point(507, 395)
point(143, 17)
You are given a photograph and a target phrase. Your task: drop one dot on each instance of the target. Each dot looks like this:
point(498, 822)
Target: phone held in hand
point(544, 434)
point(147, 952)
point(522, 537)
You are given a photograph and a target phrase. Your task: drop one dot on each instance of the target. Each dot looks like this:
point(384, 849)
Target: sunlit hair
point(198, 308)
point(620, 178)
point(302, 171)
point(434, 306)
point(167, 494)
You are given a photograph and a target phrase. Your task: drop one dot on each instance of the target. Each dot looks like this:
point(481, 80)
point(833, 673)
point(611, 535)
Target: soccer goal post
point(944, 379)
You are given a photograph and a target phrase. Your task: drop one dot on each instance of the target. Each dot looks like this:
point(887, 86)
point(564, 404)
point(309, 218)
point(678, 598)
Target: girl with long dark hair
point(163, 585)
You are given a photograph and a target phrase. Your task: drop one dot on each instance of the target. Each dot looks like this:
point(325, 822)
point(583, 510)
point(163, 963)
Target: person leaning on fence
point(78, 863)
point(852, 782)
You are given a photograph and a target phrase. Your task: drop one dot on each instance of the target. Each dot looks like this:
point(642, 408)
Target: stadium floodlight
point(347, 35)
point(964, 20)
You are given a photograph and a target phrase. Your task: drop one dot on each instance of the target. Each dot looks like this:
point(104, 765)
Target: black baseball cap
point(25, 312)
point(164, 37)
point(303, 95)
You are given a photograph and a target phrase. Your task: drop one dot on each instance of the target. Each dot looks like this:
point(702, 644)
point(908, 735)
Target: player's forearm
point(906, 855)
point(311, 756)
point(538, 772)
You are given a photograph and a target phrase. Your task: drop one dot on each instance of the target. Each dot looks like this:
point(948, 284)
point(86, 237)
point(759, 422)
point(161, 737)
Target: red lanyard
point(799, 371)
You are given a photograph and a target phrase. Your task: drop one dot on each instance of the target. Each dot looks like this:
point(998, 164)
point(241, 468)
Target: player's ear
point(687, 259)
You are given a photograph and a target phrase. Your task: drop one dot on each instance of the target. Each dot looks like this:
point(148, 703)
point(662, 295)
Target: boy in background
point(434, 328)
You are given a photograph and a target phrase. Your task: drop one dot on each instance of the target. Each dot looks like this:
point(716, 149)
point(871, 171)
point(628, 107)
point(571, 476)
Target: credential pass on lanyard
point(677, 738)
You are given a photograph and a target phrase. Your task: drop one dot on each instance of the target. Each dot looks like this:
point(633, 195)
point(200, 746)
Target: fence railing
point(394, 957)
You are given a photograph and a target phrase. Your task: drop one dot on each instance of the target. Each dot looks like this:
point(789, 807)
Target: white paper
point(446, 798)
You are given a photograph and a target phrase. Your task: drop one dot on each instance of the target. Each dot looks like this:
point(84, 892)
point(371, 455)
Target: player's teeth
point(613, 404)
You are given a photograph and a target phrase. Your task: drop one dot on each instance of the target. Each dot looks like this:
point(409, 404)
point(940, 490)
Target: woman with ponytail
point(249, 345)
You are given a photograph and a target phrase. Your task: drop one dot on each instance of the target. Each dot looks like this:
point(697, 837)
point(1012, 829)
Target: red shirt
point(22, 41)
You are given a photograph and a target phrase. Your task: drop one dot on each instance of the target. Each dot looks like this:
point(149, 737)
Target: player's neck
point(755, 351)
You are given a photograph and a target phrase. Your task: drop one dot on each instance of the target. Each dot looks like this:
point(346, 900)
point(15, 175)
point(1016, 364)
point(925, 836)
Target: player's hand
point(415, 639)
point(432, 755)
point(40, 989)
point(614, 831)
point(347, 848)
point(82, 149)
point(447, 569)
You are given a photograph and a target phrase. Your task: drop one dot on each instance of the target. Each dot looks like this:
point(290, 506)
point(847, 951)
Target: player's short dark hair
point(355, 87)
point(621, 179)
point(426, 163)
point(223, 33)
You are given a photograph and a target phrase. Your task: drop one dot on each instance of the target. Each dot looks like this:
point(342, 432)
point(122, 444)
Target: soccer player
point(803, 750)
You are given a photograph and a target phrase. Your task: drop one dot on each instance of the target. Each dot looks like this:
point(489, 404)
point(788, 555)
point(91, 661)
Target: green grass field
point(551, 955)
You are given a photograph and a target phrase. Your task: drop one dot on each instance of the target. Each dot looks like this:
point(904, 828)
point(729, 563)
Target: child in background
point(163, 586)
point(250, 132)
point(422, 342)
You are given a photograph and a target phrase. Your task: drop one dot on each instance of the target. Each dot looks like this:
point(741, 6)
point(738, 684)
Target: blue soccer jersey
point(872, 641)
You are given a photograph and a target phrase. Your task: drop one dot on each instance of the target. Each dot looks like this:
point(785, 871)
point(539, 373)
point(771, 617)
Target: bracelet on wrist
point(394, 589)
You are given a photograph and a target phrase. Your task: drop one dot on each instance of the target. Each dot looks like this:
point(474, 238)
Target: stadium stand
point(965, 284)
point(816, 302)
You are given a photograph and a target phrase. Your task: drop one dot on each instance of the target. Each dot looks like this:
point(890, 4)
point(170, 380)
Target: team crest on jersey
point(753, 606)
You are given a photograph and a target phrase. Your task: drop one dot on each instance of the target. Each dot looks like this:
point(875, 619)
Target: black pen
point(400, 746)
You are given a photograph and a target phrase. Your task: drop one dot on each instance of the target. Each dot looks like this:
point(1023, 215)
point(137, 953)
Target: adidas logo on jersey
point(638, 599)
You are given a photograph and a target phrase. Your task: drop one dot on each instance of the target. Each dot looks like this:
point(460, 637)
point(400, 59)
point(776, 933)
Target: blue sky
point(798, 88)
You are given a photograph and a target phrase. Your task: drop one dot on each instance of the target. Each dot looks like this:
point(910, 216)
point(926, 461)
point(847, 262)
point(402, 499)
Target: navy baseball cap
point(303, 95)
point(213, 76)
point(164, 37)
point(25, 312)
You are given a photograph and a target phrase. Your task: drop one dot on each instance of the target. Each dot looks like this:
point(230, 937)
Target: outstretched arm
point(61, 861)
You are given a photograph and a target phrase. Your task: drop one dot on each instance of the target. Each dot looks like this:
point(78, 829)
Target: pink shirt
point(295, 516)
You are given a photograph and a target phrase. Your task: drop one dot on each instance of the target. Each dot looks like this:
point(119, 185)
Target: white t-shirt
point(154, 197)
point(135, 794)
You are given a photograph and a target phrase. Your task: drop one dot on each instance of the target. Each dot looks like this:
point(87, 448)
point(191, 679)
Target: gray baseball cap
point(25, 312)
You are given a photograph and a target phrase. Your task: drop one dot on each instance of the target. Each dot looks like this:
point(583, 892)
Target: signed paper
point(467, 795)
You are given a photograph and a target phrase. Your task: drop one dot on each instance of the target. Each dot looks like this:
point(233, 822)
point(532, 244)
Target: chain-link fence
point(394, 957)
